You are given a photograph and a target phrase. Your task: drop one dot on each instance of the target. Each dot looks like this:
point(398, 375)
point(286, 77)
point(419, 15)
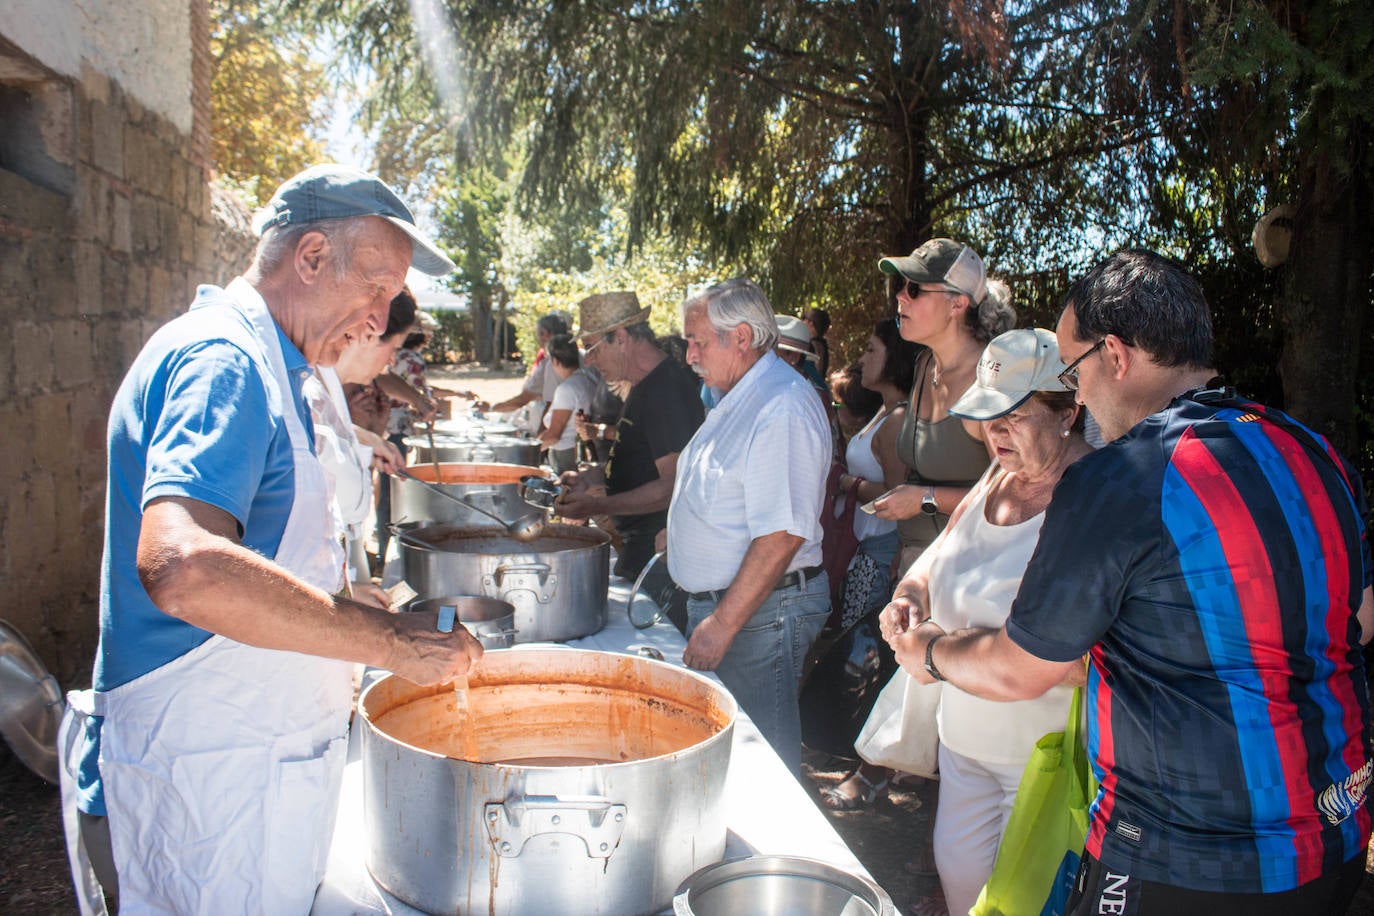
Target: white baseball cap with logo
point(1014, 366)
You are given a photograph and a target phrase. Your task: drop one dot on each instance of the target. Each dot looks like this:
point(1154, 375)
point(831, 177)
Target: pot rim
point(726, 732)
point(594, 538)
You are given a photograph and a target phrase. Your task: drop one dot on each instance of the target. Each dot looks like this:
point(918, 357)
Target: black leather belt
point(795, 577)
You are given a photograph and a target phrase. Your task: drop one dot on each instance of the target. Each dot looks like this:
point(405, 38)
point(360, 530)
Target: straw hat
point(604, 312)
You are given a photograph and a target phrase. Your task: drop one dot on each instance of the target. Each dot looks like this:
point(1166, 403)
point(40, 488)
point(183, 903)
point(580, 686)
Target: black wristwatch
point(928, 504)
point(930, 659)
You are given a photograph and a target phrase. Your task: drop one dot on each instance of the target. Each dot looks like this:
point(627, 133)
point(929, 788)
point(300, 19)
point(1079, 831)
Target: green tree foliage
point(1261, 103)
point(796, 139)
point(267, 96)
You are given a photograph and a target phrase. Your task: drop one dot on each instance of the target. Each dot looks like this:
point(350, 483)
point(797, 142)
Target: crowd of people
point(1204, 576)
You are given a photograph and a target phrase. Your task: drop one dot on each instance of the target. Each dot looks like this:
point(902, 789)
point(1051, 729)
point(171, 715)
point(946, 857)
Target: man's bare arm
point(983, 662)
point(193, 567)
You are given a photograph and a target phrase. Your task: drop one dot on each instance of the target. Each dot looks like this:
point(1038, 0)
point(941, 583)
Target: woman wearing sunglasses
point(946, 302)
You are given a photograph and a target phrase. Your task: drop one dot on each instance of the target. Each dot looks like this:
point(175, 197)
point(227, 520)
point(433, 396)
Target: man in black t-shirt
point(662, 411)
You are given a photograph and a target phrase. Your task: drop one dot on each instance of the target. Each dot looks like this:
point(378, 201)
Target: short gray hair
point(278, 244)
point(735, 302)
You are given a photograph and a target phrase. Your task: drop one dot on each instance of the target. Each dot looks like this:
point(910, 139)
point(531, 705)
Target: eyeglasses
point(588, 352)
point(1069, 377)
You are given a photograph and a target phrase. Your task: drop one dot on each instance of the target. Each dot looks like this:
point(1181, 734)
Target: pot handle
point(535, 578)
point(595, 820)
point(480, 455)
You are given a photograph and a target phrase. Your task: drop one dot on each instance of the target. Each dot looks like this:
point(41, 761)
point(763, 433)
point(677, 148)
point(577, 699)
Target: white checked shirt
point(755, 467)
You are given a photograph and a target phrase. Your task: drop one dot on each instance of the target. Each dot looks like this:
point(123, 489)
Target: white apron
point(222, 768)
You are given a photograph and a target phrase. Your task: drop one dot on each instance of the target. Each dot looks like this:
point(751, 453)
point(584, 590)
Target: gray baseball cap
point(945, 261)
point(338, 192)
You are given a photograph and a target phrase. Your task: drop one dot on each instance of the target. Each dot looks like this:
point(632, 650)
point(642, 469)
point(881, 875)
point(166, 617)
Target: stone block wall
point(107, 224)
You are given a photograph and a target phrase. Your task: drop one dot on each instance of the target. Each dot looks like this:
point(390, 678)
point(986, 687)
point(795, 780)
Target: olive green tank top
point(935, 454)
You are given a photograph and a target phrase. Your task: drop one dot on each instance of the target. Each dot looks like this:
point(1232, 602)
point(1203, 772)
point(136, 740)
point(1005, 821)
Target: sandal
point(922, 865)
point(836, 799)
point(930, 905)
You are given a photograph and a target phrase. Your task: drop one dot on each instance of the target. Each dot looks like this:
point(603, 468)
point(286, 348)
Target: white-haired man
point(224, 674)
point(744, 534)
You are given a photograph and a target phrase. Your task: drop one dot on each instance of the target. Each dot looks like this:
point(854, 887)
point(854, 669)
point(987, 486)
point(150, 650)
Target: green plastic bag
point(1038, 857)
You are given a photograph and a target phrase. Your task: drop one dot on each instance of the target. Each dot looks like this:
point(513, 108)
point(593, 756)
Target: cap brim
point(980, 403)
point(424, 257)
point(807, 353)
point(636, 318)
point(909, 267)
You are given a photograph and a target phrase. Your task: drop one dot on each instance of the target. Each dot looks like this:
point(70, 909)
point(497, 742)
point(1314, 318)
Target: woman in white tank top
point(888, 365)
point(968, 578)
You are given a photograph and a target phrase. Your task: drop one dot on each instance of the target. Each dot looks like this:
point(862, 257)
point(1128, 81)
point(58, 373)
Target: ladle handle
point(447, 614)
point(634, 591)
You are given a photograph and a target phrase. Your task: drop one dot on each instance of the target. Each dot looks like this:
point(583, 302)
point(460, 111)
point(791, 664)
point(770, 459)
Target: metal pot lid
point(30, 704)
point(768, 885)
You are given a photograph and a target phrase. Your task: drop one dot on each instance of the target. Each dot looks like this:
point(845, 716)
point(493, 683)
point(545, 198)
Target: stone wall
point(107, 224)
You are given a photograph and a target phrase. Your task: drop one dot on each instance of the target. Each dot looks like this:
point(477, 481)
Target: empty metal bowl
point(31, 704)
point(779, 886)
point(490, 620)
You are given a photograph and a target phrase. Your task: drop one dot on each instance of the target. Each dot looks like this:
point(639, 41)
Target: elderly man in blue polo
point(744, 533)
point(223, 680)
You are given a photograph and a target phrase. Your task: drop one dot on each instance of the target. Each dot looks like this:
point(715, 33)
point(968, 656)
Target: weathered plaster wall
point(144, 46)
point(107, 223)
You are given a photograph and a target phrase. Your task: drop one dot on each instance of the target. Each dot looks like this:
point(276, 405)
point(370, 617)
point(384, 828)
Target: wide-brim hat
point(794, 335)
point(339, 192)
point(945, 261)
point(1014, 366)
point(604, 312)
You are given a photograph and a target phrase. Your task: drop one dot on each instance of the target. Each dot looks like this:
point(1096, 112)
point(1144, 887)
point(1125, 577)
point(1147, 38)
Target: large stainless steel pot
point(473, 447)
point(494, 487)
point(568, 782)
point(557, 582)
point(468, 424)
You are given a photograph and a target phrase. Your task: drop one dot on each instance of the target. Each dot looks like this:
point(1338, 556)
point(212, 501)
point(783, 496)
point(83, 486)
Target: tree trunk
point(1326, 298)
point(480, 310)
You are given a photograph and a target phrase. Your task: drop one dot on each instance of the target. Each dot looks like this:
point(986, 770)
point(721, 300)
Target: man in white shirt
point(744, 534)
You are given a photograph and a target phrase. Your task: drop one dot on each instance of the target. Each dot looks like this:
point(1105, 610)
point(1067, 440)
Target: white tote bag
point(900, 732)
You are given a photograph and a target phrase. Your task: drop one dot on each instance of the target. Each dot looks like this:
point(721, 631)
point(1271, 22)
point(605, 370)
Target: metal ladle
point(527, 528)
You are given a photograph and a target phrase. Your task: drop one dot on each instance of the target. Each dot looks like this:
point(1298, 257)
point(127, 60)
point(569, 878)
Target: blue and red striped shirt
point(1212, 562)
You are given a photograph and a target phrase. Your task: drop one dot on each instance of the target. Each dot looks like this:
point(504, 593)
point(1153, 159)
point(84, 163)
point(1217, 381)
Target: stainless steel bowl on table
point(779, 886)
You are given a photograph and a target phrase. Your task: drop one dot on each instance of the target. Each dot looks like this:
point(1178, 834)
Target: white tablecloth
point(768, 811)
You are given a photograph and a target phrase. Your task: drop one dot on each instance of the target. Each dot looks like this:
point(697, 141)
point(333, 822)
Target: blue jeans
point(763, 666)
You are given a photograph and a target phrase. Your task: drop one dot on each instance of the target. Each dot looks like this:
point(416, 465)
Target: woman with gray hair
point(945, 302)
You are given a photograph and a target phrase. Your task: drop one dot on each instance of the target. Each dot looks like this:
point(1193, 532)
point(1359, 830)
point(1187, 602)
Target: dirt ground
point(34, 877)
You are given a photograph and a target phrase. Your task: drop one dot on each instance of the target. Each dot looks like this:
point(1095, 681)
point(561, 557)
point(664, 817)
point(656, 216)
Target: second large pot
point(557, 582)
point(473, 447)
point(493, 487)
point(565, 781)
